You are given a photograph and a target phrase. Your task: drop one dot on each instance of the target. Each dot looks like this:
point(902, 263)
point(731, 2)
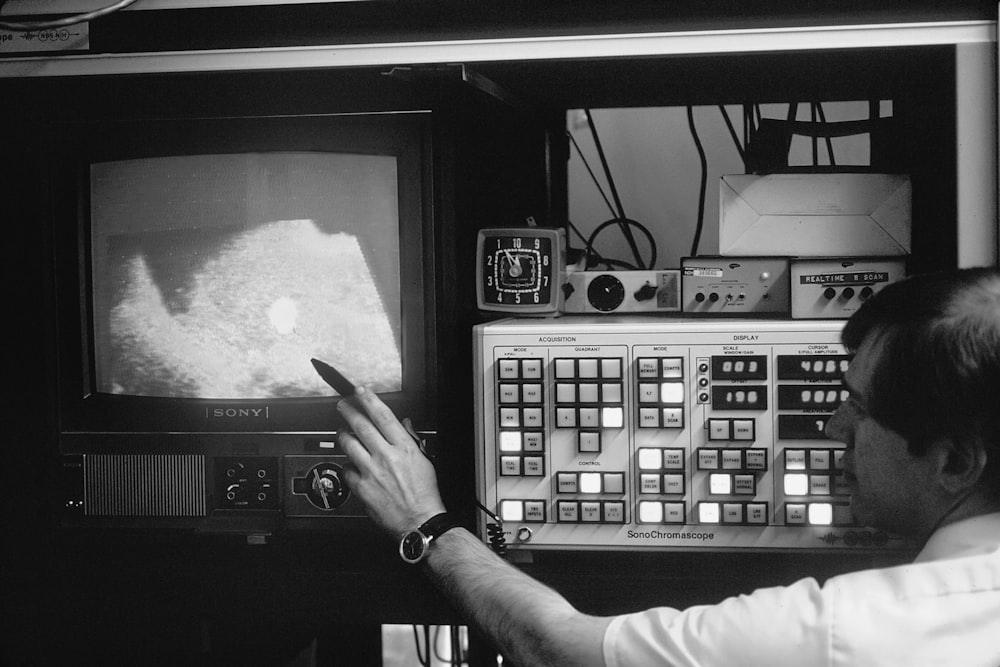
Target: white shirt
point(943, 609)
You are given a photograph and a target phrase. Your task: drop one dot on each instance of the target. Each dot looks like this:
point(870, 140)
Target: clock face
point(412, 546)
point(518, 269)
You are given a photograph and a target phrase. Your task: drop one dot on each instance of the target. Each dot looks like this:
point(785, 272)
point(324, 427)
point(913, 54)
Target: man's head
point(923, 422)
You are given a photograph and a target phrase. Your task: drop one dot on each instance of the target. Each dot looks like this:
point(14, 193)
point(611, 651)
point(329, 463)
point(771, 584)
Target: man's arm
point(527, 621)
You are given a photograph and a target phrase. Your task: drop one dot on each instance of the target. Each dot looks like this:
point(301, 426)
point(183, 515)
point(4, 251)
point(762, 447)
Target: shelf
point(524, 49)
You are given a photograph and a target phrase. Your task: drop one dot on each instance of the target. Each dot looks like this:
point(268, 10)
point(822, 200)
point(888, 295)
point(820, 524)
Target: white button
point(650, 459)
point(590, 482)
point(820, 514)
point(650, 512)
point(720, 484)
point(512, 510)
point(612, 417)
point(796, 484)
point(672, 392)
point(510, 441)
point(708, 513)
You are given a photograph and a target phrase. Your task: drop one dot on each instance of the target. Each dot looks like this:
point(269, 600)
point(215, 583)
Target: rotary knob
point(605, 293)
point(324, 487)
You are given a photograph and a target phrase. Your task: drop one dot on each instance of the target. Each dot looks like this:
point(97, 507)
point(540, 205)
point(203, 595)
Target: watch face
point(412, 546)
point(518, 269)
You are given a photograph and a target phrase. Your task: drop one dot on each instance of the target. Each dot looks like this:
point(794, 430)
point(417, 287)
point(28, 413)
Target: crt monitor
point(204, 262)
point(200, 264)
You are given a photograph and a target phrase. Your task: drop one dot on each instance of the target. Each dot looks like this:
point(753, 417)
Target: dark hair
point(938, 374)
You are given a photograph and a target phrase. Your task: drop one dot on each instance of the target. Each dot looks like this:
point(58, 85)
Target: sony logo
point(232, 412)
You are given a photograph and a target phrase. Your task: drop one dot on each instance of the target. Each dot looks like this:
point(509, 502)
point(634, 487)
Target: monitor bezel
point(405, 135)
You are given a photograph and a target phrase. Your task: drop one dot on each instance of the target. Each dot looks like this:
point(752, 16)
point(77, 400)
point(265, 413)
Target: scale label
point(703, 272)
point(847, 278)
point(71, 38)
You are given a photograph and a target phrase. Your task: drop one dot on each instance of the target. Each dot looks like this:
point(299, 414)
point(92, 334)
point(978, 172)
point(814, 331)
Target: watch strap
point(438, 525)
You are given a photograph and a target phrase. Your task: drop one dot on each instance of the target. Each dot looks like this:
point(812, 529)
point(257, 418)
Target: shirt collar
point(968, 537)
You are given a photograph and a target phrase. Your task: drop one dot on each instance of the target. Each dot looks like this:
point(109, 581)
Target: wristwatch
point(414, 544)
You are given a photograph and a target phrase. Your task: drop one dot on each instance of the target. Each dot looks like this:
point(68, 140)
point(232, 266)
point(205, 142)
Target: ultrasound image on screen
point(220, 276)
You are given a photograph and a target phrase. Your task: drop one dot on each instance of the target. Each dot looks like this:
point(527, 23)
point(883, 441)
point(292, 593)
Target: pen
point(334, 378)
point(346, 388)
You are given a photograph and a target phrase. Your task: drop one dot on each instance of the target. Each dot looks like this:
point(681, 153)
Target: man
point(922, 431)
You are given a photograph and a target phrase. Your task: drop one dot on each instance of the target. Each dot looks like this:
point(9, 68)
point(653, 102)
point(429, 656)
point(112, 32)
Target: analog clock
point(521, 270)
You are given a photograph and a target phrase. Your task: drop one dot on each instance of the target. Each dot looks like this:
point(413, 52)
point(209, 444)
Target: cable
point(829, 139)
point(593, 176)
point(626, 223)
point(626, 231)
point(494, 532)
point(424, 658)
point(26, 26)
point(732, 133)
point(704, 182)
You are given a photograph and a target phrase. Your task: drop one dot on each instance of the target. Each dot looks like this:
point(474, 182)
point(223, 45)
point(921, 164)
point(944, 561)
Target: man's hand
point(386, 470)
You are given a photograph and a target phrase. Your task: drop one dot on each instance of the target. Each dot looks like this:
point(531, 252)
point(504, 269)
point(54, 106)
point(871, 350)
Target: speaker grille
point(144, 485)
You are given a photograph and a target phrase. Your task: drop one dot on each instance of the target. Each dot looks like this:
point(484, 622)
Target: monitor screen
point(219, 276)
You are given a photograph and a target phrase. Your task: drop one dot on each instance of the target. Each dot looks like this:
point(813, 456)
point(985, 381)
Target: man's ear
point(961, 463)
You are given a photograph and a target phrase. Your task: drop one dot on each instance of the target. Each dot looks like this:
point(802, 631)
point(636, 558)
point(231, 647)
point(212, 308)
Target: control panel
point(631, 432)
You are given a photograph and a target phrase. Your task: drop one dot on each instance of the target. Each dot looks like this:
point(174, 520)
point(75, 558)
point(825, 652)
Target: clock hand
point(515, 264)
